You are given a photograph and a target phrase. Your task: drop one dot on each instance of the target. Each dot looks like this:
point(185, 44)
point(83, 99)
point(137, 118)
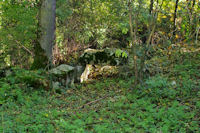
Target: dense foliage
point(18, 32)
point(96, 24)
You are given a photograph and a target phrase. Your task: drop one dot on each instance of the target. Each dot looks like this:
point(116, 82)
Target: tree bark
point(46, 34)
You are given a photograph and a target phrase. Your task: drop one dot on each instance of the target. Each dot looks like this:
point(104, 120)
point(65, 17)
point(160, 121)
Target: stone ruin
point(93, 63)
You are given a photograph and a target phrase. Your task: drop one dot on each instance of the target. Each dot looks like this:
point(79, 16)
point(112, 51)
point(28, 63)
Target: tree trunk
point(193, 19)
point(151, 7)
point(46, 34)
point(133, 37)
point(175, 15)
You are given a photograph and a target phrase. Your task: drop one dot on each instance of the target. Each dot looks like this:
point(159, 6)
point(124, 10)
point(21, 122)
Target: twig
point(25, 48)
point(198, 28)
point(89, 124)
point(92, 102)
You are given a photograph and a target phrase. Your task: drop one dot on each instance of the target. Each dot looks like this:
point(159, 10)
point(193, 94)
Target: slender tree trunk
point(133, 39)
point(151, 6)
point(46, 35)
point(175, 16)
point(193, 4)
point(191, 9)
point(145, 46)
point(193, 19)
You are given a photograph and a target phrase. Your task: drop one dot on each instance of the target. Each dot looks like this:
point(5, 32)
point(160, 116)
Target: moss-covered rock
point(104, 56)
point(61, 70)
point(98, 71)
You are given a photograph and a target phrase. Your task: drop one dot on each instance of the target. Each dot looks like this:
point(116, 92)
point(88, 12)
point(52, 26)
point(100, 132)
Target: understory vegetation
point(99, 66)
point(163, 103)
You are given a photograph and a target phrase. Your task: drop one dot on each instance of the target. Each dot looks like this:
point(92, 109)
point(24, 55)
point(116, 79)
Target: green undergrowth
point(160, 104)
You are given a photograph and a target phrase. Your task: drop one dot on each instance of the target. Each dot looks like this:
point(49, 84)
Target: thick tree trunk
point(44, 46)
point(40, 58)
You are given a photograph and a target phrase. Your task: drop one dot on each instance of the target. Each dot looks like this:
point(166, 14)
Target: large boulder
point(62, 76)
point(101, 62)
point(66, 75)
point(97, 72)
point(61, 70)
point(85, 74)
point(108, 56)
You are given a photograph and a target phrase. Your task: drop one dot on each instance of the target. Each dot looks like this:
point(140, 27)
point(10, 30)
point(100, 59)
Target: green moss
point(40, 58)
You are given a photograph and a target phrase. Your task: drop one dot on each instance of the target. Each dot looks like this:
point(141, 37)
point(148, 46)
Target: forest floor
point(168, 101)
point(105, 106)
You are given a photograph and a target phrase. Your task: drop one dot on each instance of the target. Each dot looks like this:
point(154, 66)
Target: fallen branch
point(93, 102)
point(25, 48)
